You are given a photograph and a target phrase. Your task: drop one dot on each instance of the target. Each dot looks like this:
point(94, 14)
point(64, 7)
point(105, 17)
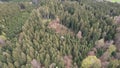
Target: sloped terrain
point(59, 34)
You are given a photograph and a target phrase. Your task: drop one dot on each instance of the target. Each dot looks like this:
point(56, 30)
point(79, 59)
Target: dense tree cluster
point(12, 18)
point(37, 45)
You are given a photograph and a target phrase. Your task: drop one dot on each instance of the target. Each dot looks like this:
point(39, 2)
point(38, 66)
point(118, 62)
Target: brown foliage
point(99, 44)
point(20, 38)
point(79, 34)
point(36, 64)
point(105, 64)
point(2, 42)
point(117, 19)
point(68, 61)
point(117, 39)
point(52, 65)
point(107, 44)
point(94, 49)
point(105, 56)
point(117, 42)
point(91, 53)
point(117, 55)
point(59, 28)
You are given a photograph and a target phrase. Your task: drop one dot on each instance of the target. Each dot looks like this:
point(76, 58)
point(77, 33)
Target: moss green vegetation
point(13, 18)
point(91, 62)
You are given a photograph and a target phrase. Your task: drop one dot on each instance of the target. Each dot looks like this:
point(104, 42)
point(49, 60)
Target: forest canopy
point(59, 34)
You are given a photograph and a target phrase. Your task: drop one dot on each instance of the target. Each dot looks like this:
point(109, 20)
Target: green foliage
point(2, 37)
point(111, 49)
point(91, 62)
point(115, 0)
point(12, 18)
point(32, 39)
point(15, 0)
point(114, 64)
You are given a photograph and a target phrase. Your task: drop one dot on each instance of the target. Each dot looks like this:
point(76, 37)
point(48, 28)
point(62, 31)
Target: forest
point(59, 34)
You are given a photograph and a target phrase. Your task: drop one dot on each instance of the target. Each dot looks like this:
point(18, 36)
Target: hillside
point(59, 34)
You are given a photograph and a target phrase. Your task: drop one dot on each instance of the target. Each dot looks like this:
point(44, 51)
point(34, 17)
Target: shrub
point(91, 62)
